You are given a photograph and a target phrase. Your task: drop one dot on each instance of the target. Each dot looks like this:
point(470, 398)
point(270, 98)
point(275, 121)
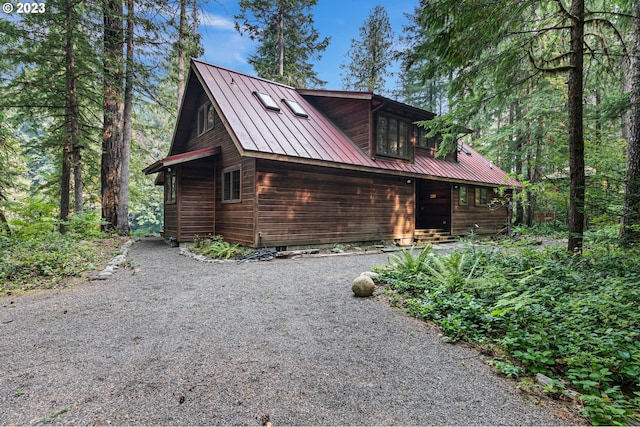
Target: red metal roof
point(260, 132)
point(181, 158)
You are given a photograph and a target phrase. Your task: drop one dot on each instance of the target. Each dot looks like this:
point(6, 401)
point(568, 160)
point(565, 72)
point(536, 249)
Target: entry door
point(433, 205)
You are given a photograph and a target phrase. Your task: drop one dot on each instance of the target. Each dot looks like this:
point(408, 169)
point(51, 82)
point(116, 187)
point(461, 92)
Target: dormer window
point(205, 118)
point(267, 101)
point(426, 141)
point(392, 137)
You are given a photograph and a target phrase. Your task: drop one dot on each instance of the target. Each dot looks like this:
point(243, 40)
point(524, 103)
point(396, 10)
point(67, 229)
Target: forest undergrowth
point(574, 319)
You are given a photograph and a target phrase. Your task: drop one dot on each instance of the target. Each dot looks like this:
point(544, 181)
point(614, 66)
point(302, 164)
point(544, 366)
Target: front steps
point(433, 236)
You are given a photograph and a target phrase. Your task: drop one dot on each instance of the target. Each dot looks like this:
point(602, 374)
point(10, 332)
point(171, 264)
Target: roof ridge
point(240, 73)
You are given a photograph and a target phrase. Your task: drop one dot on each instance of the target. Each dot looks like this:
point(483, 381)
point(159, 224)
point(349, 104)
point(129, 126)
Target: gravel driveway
point(185, 342)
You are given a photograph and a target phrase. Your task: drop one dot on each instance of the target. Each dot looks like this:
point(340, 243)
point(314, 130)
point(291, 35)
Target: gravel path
point(184, 342)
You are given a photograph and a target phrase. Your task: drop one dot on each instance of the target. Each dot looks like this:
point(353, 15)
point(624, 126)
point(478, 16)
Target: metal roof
point(282, 135)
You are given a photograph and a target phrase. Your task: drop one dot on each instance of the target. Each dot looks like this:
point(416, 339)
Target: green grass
point(574, 319)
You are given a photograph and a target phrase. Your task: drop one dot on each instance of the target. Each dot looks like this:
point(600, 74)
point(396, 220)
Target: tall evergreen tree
point(630, 230)
point(370, 58)
point(50, 67)
point(288, 39)
point(111, 163)
point(471, 39)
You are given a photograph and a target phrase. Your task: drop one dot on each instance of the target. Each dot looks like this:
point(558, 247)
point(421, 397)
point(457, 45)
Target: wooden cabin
point(265, 164)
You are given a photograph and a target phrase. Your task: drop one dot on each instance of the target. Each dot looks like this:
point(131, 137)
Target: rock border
point(115, 262)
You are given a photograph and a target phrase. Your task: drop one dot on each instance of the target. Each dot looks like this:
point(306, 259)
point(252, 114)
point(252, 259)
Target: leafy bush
point(44, 262)
point(571, 318)
point(216, 247)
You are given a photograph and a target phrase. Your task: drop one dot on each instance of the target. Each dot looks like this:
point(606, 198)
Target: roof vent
point(267, 101)
point(295, 108)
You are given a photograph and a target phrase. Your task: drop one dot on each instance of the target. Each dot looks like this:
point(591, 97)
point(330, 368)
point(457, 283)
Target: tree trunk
point(182, 30)
point(630, 230)
point(71, 117)
point(576, 136)
point(281, 12)
point(112, 136)
point(123, 206)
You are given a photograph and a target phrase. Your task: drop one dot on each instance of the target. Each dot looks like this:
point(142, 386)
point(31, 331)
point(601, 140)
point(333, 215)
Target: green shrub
point(216, 247)
point(571, 318)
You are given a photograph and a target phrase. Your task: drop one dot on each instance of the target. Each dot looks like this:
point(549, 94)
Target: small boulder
point(363, 286)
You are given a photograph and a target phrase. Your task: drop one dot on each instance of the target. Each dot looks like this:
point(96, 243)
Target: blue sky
point(338, 19)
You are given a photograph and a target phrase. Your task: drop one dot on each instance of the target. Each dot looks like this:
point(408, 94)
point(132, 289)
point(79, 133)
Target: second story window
point(392, 137)
point(205, 118)
point(425, 141)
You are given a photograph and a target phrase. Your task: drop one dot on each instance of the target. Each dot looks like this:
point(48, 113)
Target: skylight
point(295, 108)
point(267, 101)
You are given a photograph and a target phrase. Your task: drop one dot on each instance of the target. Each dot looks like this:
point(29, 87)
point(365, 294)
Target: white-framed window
point(205, 118)
point(231, 185)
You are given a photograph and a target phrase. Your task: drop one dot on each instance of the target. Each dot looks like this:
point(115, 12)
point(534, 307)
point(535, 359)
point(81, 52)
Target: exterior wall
point(300, 205)
point(196, 192)
point(235, 221)
point(489, 219)
point(350, 115)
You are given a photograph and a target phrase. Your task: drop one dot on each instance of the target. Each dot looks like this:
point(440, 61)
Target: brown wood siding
point(170, 220)
point(350, 115)
point(235, 221)
point(211, 138)
point(301, 205)
point(465, 218)
point(196, 192)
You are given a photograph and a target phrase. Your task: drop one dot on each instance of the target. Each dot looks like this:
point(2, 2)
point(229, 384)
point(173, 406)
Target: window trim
point(204, 125)
point(478, 196)
point(295, 108)
point(435, 140)
point(170, 187)
point(408, 141)
point(267, 101)
point(466, 195)
point(229, 173)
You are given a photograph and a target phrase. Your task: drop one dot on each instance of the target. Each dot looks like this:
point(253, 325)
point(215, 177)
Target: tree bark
point(630, 229)
point(123, 206)
point(182, 30)
point(112, 125)
point(281, 13)
point(71, 118)
point(576, 134)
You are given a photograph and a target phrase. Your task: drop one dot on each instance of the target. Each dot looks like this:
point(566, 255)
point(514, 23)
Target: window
point(392, 137)
point(205, 118)
point(463, 195)
point(267, 101)
point(170, 187)
point(425, 141)
point(481, 197)
point(231, 186)
point(296, 108)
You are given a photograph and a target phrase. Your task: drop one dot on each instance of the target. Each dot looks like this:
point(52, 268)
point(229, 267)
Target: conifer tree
point(288, 39)
point(370, 57)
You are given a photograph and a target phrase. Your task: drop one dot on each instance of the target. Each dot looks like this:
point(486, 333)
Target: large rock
point(363, 286)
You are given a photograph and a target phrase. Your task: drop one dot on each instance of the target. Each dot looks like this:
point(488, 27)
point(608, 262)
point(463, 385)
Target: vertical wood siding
point(465, 218)
point(235, 221)
point(351, 116)
point(196, 192)
point(299, 205)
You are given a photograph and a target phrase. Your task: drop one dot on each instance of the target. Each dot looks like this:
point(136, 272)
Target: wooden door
point(433, 205)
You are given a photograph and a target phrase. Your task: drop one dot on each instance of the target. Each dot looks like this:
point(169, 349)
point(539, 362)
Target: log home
point(265, 164)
